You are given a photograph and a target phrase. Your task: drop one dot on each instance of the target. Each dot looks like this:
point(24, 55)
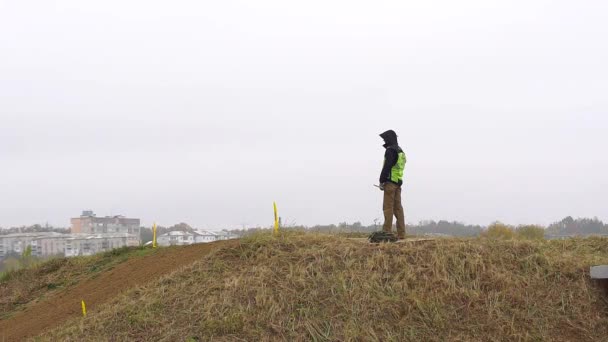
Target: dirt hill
point(329, 288)
point(46, 296)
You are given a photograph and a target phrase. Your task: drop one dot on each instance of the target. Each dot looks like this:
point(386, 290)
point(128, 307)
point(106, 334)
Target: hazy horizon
point(206, 113)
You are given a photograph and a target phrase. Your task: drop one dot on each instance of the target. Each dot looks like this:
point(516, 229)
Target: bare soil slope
point(97, 289)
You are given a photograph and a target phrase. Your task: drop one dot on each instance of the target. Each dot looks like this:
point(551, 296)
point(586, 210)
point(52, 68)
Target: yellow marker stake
point(84, 309)
point(276, 218)
point(154, 236)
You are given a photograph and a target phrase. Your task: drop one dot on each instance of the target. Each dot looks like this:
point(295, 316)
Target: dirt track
point(99, 289)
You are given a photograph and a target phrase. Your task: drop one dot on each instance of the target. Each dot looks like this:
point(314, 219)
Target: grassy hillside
point(25, 286)
point(322, 288)
point(46, 296)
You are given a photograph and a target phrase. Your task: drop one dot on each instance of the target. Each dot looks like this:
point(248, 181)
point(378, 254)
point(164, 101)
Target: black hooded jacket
point(391, 155)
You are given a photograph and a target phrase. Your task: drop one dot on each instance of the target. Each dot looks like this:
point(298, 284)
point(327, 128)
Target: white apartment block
point(179, 238)
point(52, 245)
point(57, 244)
point(175, 238)
point(203, 236)
point(86, 244)
point(43, 244)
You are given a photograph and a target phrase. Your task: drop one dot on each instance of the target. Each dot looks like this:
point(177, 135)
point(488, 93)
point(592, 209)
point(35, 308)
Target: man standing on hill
point(391, 180)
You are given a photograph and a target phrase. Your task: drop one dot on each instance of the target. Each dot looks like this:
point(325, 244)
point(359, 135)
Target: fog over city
point(207, 112)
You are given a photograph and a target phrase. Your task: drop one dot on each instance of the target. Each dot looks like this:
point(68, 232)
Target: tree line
point(36, 228)
point(564, 228)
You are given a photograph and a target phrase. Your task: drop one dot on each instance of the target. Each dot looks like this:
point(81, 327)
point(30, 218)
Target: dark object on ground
point(382, 236)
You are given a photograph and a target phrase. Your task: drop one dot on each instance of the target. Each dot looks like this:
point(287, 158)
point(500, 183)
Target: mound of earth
point(95, 288)
point(328, 288)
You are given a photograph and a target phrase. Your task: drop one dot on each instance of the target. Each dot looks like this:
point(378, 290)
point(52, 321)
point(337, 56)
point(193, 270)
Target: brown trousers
point(392, 206)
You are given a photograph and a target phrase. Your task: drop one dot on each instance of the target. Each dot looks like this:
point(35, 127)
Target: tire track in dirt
point(99, 289)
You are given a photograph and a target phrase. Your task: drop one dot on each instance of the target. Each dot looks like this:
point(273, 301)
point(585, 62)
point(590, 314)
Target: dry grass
point(328, 288)
point(25, 286)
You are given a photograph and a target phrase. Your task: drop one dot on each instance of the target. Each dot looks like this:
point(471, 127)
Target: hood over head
point(390, 138)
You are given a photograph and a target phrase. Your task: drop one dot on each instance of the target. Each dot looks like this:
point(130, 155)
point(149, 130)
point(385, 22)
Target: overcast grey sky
point(207, 111)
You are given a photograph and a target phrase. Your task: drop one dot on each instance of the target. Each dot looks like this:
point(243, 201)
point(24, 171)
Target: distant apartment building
point(89, 235)
point(175, 238)
point(203, 236)
point(15, 243)
point(43, 244)
point(69, 245)
point(86, 244)
point(89, 223)
point(179, 238)
point(49, 245)
point(225, 235)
